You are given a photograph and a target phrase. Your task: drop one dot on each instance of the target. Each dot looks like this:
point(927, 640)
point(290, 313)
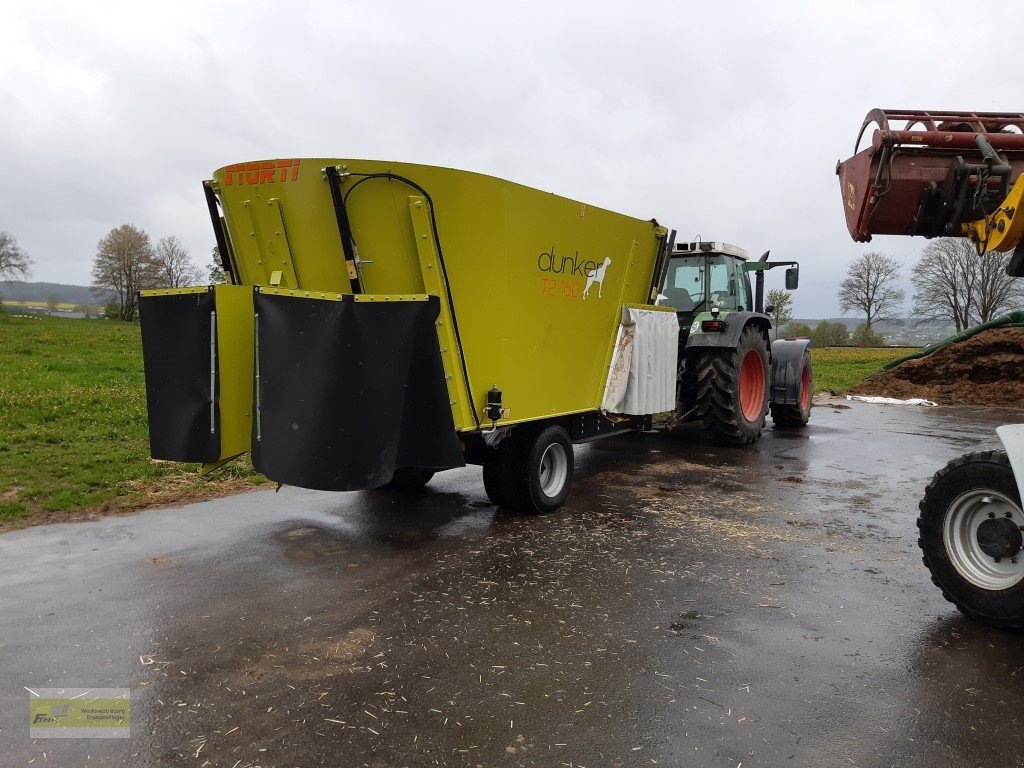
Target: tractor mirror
point(792, 278)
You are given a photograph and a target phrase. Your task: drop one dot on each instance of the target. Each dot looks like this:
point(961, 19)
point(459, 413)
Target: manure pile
point(986, 369)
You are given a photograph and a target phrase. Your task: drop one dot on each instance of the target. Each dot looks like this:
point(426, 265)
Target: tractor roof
point(709, 246)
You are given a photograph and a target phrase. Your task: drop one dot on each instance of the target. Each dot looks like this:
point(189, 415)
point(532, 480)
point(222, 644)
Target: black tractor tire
point(720, 401)
point(795, 416)
point(410, 478)
point(984, 474)
point(535, 469)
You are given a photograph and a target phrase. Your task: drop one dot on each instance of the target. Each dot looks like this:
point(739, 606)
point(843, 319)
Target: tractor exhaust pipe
point(759, 286)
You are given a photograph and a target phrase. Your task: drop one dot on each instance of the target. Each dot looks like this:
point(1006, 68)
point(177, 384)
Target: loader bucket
point(930, 173)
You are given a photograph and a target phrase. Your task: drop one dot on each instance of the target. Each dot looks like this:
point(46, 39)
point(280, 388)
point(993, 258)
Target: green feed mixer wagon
point(385, 321)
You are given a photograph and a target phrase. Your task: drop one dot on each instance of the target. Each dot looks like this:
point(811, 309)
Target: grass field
point(836, 369)
point(73, 424)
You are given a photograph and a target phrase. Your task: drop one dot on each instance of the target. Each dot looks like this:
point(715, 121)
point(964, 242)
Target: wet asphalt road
point(690, 606)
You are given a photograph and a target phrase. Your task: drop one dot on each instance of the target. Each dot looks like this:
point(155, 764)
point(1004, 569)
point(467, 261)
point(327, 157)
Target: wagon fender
point(1012, 438)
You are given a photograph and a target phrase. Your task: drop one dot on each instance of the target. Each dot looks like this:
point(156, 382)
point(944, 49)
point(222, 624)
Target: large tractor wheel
point(410, 478)
point(732, 390)
point(798, 414)
point(532, 471)
point(971, 522)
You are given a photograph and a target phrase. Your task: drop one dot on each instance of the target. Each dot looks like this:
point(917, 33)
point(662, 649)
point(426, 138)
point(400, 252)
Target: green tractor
point(730, 374)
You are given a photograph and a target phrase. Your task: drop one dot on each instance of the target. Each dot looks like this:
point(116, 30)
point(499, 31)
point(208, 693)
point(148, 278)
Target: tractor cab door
point(728, 286)
point(685, 286)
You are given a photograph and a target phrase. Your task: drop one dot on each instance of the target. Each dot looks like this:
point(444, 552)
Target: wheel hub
point(554, 469)
point(1000, 537)
point(981, 533)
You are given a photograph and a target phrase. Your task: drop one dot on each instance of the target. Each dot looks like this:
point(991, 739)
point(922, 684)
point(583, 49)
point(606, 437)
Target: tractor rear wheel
point(410, 478)
point(799, 413)
point(732, 390)
point(971, 527)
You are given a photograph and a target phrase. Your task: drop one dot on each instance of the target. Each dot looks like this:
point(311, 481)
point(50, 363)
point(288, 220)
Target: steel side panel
point(517, 262)
point(235, 367)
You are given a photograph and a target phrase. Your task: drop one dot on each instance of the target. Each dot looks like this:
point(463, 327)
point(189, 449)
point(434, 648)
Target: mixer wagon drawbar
point(385, 321)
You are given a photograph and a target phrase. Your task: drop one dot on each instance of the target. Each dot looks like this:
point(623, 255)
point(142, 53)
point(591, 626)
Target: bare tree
point(952, 283)
point(945, 280)
point(177, 270)
point(14, 262)
point(781, 303)
point(870, 287)
point(997, 292)
point(124, 265)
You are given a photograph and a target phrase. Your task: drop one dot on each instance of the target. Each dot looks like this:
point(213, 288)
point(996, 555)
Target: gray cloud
point(719, 119)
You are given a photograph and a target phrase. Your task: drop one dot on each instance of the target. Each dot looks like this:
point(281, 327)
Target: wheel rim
point(990, 513)
point(805, 388)
point(554, 468)
point(752, 385)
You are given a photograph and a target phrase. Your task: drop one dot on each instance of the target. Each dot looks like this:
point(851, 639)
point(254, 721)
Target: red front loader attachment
point(930, 174)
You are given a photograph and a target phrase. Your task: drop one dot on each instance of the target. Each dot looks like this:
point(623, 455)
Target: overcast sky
point(719, 119)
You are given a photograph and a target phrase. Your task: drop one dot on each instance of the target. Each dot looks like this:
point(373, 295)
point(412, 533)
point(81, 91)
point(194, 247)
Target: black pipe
point(218, 233)
point(344, 227)
point(668, 243)
point(759, 286)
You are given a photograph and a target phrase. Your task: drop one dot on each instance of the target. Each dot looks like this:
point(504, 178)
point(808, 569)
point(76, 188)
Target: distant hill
point(851, 323)
point(17, 290)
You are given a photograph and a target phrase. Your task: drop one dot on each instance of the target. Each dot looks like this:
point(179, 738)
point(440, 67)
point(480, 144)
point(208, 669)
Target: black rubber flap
point(349, 391)
point(176, 333)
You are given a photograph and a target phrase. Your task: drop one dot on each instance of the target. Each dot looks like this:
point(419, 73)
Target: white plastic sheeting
point(642, 376)
point(891, 400)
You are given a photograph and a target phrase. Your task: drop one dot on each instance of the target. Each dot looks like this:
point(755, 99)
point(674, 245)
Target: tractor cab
point(708, 281)
point(705, 275)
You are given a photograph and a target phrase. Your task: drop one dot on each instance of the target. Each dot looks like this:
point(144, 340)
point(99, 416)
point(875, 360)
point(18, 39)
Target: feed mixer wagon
point(384, 321)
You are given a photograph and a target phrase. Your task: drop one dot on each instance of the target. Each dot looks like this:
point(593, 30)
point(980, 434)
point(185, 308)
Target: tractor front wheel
point(971, 527)
point(732, 390)
point(790, 415)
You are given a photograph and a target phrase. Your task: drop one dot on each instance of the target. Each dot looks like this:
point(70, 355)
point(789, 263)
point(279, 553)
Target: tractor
point(730, 374)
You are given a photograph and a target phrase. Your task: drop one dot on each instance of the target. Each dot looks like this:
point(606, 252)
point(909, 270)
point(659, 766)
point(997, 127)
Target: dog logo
point(596, 275)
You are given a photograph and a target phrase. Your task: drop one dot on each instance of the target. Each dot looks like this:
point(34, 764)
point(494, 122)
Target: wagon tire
point(536, 469)
point(410, 478)
point(732, 390)
point(796, 415)
point(494, 466)
point(971, 515)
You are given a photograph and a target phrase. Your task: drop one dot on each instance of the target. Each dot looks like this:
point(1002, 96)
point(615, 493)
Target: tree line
point(127, 262)
point(953, 284)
